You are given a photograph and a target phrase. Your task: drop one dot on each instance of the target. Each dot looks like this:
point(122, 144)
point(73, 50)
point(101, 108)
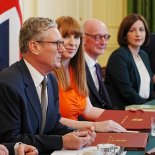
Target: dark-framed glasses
point(98, 37)
point(58, 43)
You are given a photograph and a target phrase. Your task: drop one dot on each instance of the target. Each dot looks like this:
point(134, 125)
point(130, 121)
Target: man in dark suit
point(18, 148)
point(96, 37)
point(29, 110)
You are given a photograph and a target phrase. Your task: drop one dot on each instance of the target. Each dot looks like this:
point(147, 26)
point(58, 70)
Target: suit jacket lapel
point(137, 76)
point(49, 117)
point(31, 90)
point(143, 57)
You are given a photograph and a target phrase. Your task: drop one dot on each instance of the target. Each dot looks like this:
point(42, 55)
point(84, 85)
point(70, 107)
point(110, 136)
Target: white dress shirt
point(91, 65)
point(144, 90)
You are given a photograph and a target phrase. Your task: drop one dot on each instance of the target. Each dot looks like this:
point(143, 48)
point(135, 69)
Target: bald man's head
point(96, 36)
point(92, 24)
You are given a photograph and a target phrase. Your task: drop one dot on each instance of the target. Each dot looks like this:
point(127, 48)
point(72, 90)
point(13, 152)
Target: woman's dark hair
point(125, 26)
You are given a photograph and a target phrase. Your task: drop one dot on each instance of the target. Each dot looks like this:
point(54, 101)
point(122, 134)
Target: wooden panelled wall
point(109, 11)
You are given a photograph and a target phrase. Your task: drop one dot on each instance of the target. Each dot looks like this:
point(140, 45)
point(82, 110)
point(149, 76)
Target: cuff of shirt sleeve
point(15, 147)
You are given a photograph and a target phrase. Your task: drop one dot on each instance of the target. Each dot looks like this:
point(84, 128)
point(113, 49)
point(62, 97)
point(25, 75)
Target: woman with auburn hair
point(128, 73)
point(73, 91)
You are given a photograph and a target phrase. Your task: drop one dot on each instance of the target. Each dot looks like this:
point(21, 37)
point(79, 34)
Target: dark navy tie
point(102, 89)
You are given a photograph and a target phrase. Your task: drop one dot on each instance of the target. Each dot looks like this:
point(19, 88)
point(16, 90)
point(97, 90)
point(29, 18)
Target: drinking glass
point(152, 126)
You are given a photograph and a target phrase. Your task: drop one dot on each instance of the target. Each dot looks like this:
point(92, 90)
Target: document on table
point(77, 152)
point(132, 131)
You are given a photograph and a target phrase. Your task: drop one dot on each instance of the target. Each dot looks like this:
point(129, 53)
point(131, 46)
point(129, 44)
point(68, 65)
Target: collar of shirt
point(36, 76)
point(90, 62)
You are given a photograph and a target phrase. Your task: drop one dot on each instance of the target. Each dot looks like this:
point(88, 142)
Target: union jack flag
point(10, 23)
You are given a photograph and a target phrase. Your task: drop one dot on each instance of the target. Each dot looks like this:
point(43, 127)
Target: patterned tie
point(102, 89)
point(44, 102)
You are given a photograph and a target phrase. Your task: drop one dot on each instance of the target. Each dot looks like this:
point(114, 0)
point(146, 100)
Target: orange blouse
point(72, 104)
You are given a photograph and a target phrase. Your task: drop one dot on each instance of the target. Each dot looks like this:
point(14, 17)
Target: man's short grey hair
point(32, 29)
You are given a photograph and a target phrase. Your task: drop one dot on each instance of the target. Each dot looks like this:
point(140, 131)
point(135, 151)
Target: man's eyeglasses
point(98, 37)
point(58, 43)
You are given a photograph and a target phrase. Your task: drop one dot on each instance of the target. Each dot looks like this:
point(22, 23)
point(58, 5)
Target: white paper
point(73, 152)
point(131, 131)
point(77, 152)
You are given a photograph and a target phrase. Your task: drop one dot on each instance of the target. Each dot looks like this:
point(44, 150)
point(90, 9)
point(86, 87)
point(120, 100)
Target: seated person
point(95, 40)
point(29, 101)
point(73, 91)
point(128, 73)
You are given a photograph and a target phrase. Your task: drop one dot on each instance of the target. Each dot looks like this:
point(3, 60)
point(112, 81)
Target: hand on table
point(108, 126)
point(3, 150)
point(24, 149)
point(79, 138)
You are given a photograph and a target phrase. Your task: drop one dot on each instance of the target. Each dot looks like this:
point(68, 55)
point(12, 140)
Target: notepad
point(131, 120)
point(131, 141)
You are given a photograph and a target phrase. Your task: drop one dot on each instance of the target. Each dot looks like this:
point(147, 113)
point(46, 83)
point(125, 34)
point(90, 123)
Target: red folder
point(131, 141)
point(131, 120)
